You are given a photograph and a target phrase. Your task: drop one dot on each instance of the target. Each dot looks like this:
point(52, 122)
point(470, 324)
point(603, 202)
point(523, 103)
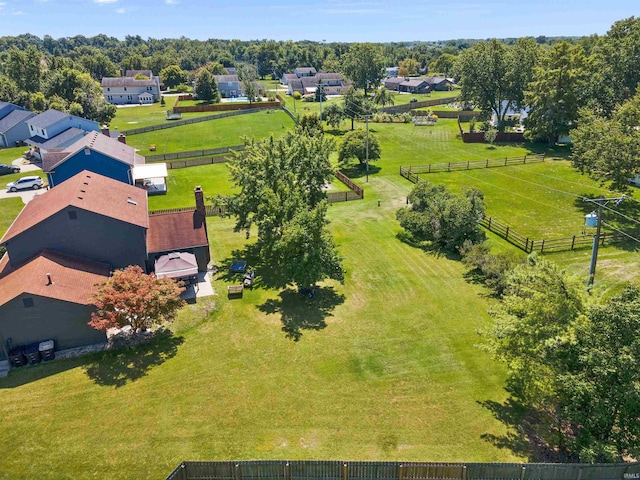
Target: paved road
point(25, 195)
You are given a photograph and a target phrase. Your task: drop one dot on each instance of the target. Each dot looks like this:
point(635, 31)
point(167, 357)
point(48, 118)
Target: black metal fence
point(341, 470)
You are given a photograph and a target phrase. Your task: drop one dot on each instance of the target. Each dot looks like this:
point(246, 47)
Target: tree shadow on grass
point(300, 312)
point(358, 170)
point(32, 373)
point(523, 437)
point(115, 368)
point(626, 222)
point(425, 246)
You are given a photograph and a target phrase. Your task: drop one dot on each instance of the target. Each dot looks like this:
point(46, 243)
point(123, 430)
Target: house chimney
point(199, 194)
point(49, 281)
point(105, 130)
point(122, 139)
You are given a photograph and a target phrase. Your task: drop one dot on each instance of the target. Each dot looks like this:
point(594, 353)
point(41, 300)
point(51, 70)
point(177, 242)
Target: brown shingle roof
point(100, 143)
point(87, 191)
point(175, 231)
point(74, 279)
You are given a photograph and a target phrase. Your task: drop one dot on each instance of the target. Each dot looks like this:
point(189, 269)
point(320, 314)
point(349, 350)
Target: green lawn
point(137, 116)
point(214, 133)
point(9, 210)
point(384, 368)
point(403, 98)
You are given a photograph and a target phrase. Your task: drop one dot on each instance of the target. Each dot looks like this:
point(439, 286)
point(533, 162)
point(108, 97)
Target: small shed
point(179, 266)
point(152, 177)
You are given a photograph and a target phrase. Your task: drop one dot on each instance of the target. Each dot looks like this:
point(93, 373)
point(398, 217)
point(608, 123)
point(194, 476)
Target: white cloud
point(172, 2)
point(104, 2)
point(18, 12)
point(120, 10)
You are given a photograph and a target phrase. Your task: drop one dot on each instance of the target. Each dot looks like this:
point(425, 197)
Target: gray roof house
point(407, 84)
point(332, 84)
point(129, 90)
point(439, 84)
point(14, 128)
point(305, 71)
point(55, 129)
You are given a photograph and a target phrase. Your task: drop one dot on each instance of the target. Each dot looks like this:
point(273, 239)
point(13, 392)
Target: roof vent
point(49, 281)
point(80, 197)
point(132, 202)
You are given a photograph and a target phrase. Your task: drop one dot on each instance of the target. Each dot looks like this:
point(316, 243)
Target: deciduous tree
point(173, 75)
point(438, 216)
point(131, 297)
point(354, 145)
point(364, 65)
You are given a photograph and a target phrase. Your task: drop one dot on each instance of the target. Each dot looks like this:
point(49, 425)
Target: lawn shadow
point(626, 222)
point(359, 170)
point(115, 368)
point(425, 246)
point(523, 436)
point(32, 373)
point(266, 276)
point(301, 312)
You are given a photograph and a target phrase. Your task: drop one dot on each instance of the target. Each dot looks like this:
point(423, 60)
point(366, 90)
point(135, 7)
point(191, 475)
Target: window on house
point(125, 89)
point(108, 89)
point(27, 302)
point(73, 215)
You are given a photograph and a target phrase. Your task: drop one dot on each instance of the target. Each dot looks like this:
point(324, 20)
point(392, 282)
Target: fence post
point(468, 162)
point(573, 242)
point(429, 168)
point(526, 246)
point(345, 472)
point(505, 161)
point(487, 166)
point(489, 224)
point(542, 246)
point(449, 167)
point(507, 234)
point(400, 470)
point(346, 196)
point(525, 158)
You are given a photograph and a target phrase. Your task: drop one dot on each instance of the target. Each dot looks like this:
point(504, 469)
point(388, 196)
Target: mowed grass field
point(382, 367)
point(212, 134)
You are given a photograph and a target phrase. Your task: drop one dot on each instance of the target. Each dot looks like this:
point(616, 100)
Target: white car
point(24, 183)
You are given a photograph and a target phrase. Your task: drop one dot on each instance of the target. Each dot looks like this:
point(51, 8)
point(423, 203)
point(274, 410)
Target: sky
point(318, 20)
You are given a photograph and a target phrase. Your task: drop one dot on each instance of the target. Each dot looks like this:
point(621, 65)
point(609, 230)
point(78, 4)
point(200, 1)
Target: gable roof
point(98, 142)
point(306, 70)
point(15, 117)
point(133, 73)
point(290, 76)
point(86, 191)
point(48, 118)
point(226, 78)
point(73, 279)
point(435, 80)
point(176, 231)
point(126, 82)
point(57, 141)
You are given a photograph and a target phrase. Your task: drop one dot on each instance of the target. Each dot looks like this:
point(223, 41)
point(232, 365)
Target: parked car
point(24, 183)
point(7, 169)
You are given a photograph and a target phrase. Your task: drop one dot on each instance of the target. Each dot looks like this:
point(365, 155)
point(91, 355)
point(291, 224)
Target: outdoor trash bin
point(16, 357)
point(32, 353)
point(46, 350)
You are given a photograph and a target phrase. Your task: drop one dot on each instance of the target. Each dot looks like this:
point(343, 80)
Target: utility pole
point(320, 88)
point(367, 146)
point(596, 239)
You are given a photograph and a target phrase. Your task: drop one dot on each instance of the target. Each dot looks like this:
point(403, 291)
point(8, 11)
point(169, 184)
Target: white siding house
point(128, 90)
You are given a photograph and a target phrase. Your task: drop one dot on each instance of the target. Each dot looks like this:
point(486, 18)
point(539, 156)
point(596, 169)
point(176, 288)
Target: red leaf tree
point(131, 297)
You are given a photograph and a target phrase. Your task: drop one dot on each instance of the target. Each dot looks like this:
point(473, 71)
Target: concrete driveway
point(25, 195)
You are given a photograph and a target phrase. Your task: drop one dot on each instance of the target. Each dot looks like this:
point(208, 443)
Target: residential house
point(230, 86)
point(96, 153)
point(439, 84)
point(392, 71)
point(48, 297)
point(407, 85)
point(129, 90)
point(55, 129)
point(305, 72)
point(13, 124)
point(512, 115)
point(64, 244)
point(332, 84)
point(288, 77)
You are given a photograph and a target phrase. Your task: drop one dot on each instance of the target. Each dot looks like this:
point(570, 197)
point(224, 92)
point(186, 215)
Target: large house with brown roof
point(95, 152)
point(67, 240)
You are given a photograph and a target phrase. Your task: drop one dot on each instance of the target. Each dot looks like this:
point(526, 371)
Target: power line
point(622, 214)
point(620, 231)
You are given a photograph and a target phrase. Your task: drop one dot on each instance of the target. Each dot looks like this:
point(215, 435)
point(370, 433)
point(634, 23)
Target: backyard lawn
point(383, 367)
point(136, 116)
point(214, 133)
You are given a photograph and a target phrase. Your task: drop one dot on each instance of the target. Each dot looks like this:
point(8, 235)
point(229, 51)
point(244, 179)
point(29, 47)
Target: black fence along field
point(346, 470)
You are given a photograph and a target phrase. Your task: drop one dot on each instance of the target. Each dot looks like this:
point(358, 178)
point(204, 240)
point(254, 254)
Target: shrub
point(309, 98)
point(182, 88)
point(271, 96)
point(492, 268)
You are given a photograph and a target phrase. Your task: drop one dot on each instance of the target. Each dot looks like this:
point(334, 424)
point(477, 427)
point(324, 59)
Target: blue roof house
point(96, 153)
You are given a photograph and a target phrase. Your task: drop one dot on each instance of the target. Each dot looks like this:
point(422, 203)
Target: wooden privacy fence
point(470, 165)
point(412, 106)
point(341, 470)
point(189, 121)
